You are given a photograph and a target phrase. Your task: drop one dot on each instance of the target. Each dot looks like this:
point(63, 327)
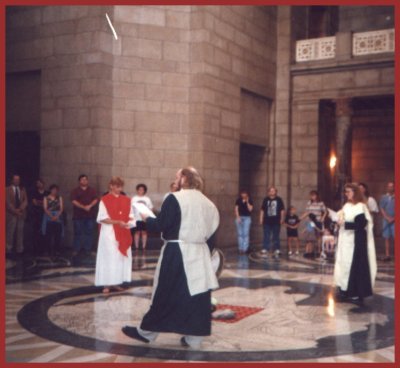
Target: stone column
point(344, 44)
point(343, 143)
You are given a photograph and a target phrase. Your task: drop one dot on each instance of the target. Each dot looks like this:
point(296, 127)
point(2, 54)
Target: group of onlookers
point(44, 210)
point(320, 230)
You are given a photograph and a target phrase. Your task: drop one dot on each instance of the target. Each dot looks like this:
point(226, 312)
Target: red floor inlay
point(240, 311)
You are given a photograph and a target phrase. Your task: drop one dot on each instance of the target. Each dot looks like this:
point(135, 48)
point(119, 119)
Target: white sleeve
point(149, 203)
point(132, 220)
point(102, 214)
point(367, 214)
point(372, 205)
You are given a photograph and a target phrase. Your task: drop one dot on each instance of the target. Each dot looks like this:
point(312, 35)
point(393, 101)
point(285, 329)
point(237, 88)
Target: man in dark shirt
point(84, 199)
point(272, 215)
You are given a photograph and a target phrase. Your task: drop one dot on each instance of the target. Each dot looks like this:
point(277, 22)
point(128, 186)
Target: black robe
point(360, 278)
point(173, 308)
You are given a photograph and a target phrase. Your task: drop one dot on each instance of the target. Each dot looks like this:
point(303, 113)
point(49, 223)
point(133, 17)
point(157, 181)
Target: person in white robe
point(355, 266)
point(114, 256)
point(184, 277)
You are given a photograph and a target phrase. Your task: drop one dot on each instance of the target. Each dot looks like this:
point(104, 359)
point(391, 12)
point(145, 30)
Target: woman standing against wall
point(243, 208)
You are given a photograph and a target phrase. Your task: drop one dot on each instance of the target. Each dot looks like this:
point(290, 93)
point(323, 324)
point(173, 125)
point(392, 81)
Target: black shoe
point(184, 343)
point(357, 301)
point(134, 333)
point(340, 296)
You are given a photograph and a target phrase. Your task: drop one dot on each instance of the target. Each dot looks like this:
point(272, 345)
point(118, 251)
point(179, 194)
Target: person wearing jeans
point(243, 208)
point(271, 231)
point(387, 207)
point(84, 199)
point(272, 215)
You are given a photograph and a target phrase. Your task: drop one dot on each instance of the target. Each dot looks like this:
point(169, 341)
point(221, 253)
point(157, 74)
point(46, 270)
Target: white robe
point(345, 248)
point(112, 268)
point(199, 220)
point(195, 252)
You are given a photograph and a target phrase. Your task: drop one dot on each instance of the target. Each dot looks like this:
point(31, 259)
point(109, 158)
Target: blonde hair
point(117, 181)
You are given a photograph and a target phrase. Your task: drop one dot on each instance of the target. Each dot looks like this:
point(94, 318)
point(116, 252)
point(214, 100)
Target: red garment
point(84, 197)
point(119, 208)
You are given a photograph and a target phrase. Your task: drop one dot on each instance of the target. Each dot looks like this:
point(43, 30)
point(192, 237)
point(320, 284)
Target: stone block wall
point(233, 49)
point(164, 95)
point(151, 81)
point(308, 90)
point(66, 44)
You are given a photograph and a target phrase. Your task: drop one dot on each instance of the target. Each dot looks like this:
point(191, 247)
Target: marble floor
point(55, 314)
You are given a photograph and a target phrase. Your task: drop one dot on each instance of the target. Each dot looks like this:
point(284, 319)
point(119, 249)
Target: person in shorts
point(140, 231)
point(292, 223)
point(387, 205)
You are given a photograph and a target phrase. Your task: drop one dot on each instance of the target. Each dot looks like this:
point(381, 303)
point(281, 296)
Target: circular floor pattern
point(375, 329)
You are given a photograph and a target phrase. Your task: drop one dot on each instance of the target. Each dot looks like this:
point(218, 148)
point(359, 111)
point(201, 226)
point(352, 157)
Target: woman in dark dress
point(52, 226)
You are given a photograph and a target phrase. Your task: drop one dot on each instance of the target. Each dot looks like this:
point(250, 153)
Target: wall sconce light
point(332, 161)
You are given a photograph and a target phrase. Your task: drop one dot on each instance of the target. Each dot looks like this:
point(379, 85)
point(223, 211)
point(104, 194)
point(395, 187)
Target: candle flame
point(331, 306)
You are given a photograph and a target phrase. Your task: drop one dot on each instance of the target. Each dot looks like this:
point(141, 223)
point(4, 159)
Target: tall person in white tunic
point(114, 256)
point(184, 277)
point(355, 266)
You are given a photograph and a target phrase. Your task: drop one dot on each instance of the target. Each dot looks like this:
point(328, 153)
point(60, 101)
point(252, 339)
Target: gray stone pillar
point(343, 143)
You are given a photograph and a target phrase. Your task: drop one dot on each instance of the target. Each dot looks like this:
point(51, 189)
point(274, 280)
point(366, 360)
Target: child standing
point(140, 230)
point(328, 243)
point(292, 223)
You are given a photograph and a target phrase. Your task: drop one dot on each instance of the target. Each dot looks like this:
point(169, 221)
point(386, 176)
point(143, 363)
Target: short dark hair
point(53, 186)
point(365, 186)
point(316, 194)
point(82, 176)
point(141, 185)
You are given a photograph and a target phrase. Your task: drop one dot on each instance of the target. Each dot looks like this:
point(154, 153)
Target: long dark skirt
point(360, 277)
point(173, 308)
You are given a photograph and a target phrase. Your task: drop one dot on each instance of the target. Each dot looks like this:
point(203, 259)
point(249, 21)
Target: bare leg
point(319, 243)
point(387, 247)
point(137, 238)
point(144, 239)
point(297, 244)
